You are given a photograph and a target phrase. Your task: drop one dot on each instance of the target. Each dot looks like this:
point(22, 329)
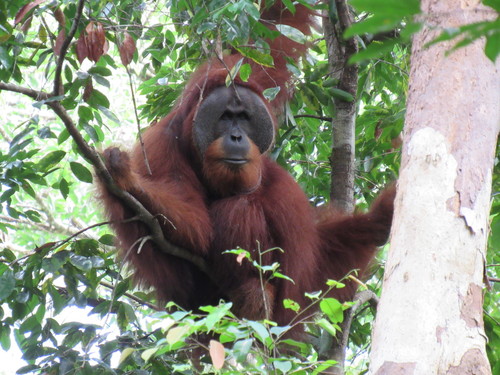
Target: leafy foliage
point(64, 301)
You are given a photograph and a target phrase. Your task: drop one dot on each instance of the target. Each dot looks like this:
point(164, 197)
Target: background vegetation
point(64, 300)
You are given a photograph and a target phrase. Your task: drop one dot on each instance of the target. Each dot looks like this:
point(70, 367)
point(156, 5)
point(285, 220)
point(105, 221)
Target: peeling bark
point(473, 362)
point(392, 368)
point(429, 319)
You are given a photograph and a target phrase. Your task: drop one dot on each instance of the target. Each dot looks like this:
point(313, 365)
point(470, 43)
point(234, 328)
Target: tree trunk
point(342, 158)
point(344, 123)
point(429, 319)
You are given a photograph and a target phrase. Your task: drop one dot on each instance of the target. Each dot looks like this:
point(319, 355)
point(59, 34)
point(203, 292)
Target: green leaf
point(216, 316)
point(495, 4)
point(101, 80)
point(7, 284)
point(97, 262)
point(5, 59)
point(283, 366)
point(98, 99)
point(148, 353)
point(5, 337)
point(51, 159)
point(257, 56)
point(81, 262)
point(121, 288)
point(85, 113)
point(241, 348)
point(29, 189)
point(206, 26)
point(374, 50)
point(289, 5)
point(271, 93)
point(32, 214)
point(372, 25)
point(125, 354)
point(91, 132)
point(177, 334)
point(30, 369)
point(107, 239)
point(109, 114)
point(245, 72)
point(5, 34)
point(101, 70)
point(8, 255)
point(325, 365)
point(81, 172)
point(64, 188)
point(335, 284)
point(279, 275)
point(68, 74)
point(260, 329)
point(492, 47)
point(63, 136)
point(327, 326)
point(333, 309)
point(45, 133)
point(393, 8)
point(233, 72)
point(341, 94)
point(291, 33)
point(330, 82)
point(58, 301)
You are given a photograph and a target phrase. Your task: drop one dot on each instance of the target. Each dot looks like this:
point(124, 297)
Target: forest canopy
point(79, 76)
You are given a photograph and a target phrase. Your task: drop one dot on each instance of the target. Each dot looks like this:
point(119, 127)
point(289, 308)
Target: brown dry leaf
point(105, 48)
point(127, 49)
point(217, 354)
point(59, 16)
point(397, 141)
point(96, 40)
point(82, 50)
point(25, 10)
point(59, 42)
point(89, 88)
point(44, 246)
point(42, 33)
point(378, 131)
point(26, 24)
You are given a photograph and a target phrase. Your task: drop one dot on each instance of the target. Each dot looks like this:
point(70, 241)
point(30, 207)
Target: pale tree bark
point(429, 318)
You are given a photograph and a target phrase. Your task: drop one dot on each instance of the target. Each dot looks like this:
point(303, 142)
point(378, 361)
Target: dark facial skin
point(237, 116)
point(234, 126)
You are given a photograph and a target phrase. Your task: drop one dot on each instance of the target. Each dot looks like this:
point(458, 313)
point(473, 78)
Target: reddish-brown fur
point(207, 208)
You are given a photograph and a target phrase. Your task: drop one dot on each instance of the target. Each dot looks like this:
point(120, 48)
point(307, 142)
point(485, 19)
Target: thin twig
point(66, 240)
point(322, 118)
point(65, 46)
point(131, 297)
point(143, 148)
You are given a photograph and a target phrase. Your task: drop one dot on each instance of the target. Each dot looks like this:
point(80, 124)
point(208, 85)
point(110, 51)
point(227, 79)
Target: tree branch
point(339, 346)
point(139, 132)
point(64, 48)
point(94, 158)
